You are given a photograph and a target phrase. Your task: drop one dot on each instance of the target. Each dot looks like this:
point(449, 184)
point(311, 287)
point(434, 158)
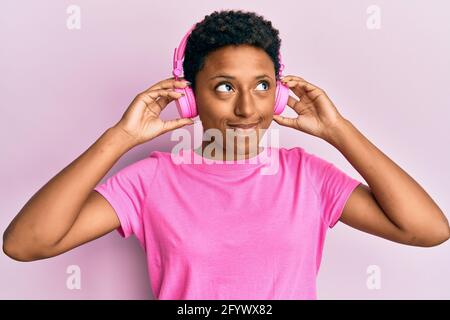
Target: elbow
point(434, 238)
point(15, 252)
point(444, 234)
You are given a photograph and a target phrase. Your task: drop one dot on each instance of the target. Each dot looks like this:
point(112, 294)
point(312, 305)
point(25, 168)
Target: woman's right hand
point(141, 120)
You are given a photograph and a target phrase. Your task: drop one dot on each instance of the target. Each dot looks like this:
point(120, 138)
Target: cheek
point(267, 103)
point(216, 112)
point(267, 109)
point(214, 109)
point(213, 115)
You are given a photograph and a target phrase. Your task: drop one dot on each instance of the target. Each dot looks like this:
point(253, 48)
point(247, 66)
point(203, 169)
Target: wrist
point(338, 131)
point(121, 138)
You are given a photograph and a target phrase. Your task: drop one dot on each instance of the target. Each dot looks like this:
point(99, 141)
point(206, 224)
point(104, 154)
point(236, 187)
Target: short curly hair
point(229, 27)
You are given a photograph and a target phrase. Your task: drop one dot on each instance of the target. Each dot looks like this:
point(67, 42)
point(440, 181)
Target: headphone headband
point(178, 56)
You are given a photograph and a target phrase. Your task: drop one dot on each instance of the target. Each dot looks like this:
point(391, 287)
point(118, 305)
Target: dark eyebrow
point(231, 77)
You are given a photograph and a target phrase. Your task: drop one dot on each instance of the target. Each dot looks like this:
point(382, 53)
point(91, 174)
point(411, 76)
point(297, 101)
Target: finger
point(153, 95)
point(150, 98)
point(291, 77)
point(309, 86)
point(164, 101)
point(294, 104)
point(169, 83)
point(176, 123)
point(304, 90)
point(292, 84)
point(285, 121)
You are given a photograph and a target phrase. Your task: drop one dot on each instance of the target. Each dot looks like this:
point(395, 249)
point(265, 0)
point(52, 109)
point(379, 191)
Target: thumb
point(177, 123)
point(284, 121)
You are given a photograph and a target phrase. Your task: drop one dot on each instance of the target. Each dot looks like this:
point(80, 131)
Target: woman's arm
point(66, 212)
point(415, 218)
point(50, 213)
point(394, 205)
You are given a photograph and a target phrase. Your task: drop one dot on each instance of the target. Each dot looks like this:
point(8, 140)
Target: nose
point(245, 105)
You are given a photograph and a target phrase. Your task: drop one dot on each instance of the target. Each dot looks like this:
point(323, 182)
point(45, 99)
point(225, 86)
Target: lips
point(243, 129)
point(244, 126)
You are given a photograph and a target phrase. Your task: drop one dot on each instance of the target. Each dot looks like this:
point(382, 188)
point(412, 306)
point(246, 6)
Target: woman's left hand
point(317, 114)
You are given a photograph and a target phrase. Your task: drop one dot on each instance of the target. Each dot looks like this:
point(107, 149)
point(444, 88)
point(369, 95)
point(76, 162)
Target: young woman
point(224, 230)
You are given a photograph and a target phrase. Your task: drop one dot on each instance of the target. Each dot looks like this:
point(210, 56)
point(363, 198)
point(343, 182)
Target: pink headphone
point(186, 105)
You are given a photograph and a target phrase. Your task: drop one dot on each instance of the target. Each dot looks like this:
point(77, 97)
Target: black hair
point(229, 27)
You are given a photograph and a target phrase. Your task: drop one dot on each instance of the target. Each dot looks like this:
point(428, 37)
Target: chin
point(247, 148)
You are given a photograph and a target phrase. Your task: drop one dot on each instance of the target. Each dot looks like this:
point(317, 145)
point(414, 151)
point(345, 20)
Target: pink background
point(60, 89)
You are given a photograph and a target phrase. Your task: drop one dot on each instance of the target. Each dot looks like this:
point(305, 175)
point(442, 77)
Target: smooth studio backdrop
point(383, 63)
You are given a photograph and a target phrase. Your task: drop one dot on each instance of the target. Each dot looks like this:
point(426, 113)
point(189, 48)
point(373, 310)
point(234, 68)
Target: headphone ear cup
point(186, 105)
point(281, 97)
point(191, 102)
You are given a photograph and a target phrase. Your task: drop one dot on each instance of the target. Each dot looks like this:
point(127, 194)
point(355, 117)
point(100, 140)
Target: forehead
point(238, 59)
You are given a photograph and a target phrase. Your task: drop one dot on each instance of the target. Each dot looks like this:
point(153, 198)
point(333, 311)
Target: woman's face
point(236, 87)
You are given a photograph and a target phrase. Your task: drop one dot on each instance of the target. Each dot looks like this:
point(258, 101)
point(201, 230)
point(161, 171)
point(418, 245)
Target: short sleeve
point(334, 192)
point(126, 191)
point(333, 187)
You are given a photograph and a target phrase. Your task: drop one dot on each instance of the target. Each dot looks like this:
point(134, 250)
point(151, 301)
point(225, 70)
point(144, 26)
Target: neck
point(246, 154)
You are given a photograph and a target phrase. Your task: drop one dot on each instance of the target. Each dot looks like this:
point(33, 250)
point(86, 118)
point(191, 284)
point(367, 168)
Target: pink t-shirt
point(230, 230)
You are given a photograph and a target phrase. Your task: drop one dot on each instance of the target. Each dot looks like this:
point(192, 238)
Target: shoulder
point(141, 168)
point(159, 158)
point(302, 157)
point(309, 159)
point(307, 164)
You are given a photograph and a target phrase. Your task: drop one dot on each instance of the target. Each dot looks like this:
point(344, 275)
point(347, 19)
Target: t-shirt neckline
point(197, 161)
